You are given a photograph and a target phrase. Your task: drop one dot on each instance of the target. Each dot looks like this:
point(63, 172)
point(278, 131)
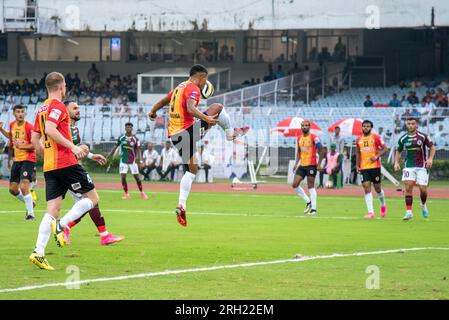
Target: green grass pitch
point(228, 229)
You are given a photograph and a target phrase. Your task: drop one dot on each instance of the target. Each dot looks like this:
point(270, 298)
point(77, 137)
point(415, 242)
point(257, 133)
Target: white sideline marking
point(224, 214)
point(229, 266)
point(230, 214)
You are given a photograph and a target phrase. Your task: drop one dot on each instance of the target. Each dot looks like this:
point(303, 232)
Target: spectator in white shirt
point(169, 162)
point(204, 161)
point(150, 158)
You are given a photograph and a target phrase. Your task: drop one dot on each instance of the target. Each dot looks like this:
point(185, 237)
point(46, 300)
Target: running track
point(439, 192)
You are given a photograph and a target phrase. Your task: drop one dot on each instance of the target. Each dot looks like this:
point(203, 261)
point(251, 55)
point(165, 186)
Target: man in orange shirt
point(307, 166)
point(368, 164)
point(62, 171)
point(23, 168)
point(184, 132)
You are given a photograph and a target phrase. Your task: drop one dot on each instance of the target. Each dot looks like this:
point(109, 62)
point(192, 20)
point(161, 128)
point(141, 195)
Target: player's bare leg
point(423, 196)
point(368, 200)
point(381, 195)
point(312, 192)
point(225, 122)
point(300, 191)
point(184, 190)
point(139, 185)
point(124, 186)
point(408, 199)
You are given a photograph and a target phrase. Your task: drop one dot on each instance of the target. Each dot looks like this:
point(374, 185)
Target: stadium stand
point(107, 105)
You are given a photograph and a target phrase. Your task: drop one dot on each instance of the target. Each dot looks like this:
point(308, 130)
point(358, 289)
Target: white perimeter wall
point(156, 15)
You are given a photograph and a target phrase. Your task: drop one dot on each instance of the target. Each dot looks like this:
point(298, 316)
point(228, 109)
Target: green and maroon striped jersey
point(416, 149)
point(76, 139)
point(129, 146)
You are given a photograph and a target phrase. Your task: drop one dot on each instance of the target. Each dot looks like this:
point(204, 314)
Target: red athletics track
point(261, 189)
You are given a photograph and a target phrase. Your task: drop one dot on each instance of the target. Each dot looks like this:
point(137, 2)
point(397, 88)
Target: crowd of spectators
point(114, 89)
point(271, 74)
point(431, 107)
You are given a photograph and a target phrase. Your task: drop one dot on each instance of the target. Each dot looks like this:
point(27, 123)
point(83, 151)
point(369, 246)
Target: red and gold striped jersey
point(21, 134)
point(308, 145)
point(368, 146)
point(56, 156)
point(180, 118)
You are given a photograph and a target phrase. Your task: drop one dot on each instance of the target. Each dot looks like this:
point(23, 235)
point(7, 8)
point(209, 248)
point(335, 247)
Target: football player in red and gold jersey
point(370, 148)
point(61, 169)
point(307, 166)
point(24, 165)
point(184, 132)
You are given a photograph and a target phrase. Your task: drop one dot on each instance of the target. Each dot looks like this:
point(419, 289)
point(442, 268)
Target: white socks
point(224, 121)
point(78, 209)
point(20, 196)
point(28, 199)
point(44, 234)
point(302, 194)
point(313, 198)
point(185, 186)
point(369, 202)
point(381, 196)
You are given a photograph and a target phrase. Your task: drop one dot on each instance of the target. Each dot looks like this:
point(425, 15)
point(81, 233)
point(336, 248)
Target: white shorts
point(419, 175)
point(124, 167)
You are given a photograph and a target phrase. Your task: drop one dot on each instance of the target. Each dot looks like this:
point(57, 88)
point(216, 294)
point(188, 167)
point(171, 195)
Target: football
point(208, 90)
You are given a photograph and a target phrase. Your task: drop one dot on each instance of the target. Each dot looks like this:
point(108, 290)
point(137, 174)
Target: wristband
point(90, 155)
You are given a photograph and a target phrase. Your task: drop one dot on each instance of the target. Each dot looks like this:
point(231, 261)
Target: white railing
point(272, 92)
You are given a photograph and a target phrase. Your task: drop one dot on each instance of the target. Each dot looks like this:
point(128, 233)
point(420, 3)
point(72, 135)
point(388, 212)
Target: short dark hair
point(18, 106)
point(129, 124)
point(68, 101)
point(412, 118)
point(368, 121)
point(197, 68)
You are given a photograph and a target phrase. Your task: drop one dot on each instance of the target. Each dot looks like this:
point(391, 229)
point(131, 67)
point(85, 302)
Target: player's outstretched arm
point(99, 158)
point(157, 106)
point(194, 111)
point(112, 152)
point(7, 134)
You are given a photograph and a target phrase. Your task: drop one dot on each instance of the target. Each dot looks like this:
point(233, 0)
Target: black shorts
point(373, 175)
point(306, 171)
point(23, 170)
point(186, 141)
point(59, 181)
